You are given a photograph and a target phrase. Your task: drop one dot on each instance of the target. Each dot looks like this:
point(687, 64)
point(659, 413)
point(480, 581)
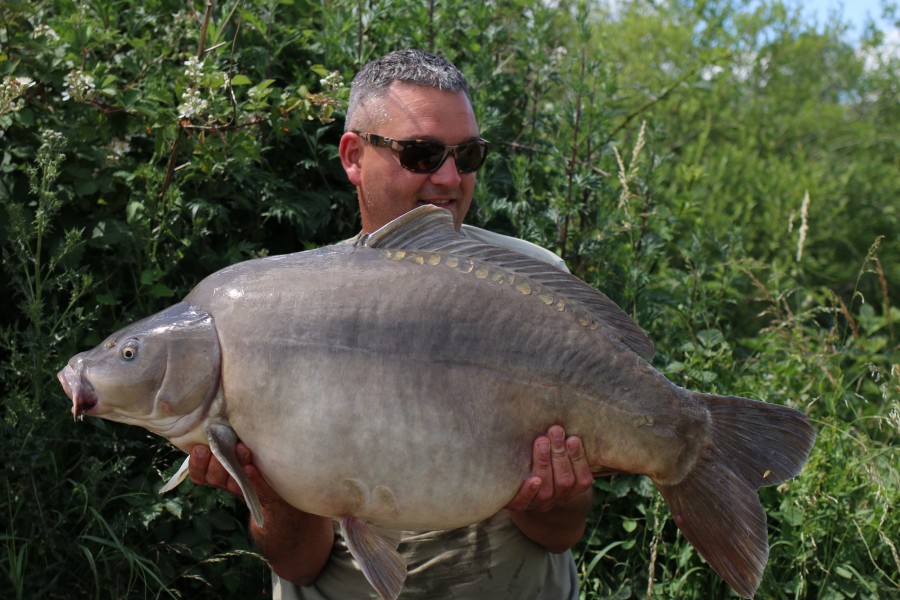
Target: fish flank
point(434, 233)
point(497, 275)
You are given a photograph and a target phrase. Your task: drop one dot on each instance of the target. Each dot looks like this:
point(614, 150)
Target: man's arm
point(552, 505)
point(297, 544)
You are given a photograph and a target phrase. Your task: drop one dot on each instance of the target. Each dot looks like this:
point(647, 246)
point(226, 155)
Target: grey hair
point(415, 67)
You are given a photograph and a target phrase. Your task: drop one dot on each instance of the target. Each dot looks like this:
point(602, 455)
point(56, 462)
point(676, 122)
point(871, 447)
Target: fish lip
point(79, 389)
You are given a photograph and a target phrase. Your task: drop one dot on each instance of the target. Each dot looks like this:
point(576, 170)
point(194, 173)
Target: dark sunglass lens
point(469, 157)
point(422, 157)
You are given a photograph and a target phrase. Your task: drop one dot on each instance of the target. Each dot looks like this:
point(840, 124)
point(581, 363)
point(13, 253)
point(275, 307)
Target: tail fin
point(754, 444)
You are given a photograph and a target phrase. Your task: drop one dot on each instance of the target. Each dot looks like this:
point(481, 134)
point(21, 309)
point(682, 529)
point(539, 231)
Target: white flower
point(559, 54)
point(43, 30)
point(333, 82)
point(192, 104)
point(117, 150)
point(709, 72)
point(11, 90)
point(194, 68)
point(79, 86)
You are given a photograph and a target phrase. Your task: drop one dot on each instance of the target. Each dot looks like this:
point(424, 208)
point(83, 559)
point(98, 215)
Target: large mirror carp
point(355, 373)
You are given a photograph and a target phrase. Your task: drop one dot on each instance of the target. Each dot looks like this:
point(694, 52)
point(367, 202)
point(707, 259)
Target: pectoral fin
point(378, 558)
point(222, 442)
point(179, 476)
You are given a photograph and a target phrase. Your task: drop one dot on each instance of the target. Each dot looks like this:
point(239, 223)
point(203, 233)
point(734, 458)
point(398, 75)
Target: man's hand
point(552, 504)
point(296, 543)
point(205, 469)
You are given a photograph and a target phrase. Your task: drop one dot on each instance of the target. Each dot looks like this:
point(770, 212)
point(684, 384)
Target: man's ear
point(350, 150)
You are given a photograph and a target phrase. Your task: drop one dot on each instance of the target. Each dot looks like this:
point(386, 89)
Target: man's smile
point(440, 202)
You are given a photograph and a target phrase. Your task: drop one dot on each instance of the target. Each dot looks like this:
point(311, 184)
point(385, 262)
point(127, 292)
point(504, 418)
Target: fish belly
point(422, 449)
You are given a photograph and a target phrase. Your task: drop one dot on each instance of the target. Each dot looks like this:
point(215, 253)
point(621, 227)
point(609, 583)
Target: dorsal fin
point(429, 228)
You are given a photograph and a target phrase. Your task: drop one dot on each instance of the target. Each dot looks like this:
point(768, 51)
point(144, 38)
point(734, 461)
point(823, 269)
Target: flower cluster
point(117, 149)
point(333, 82)
point(79, 86)
point(558, 55)
point(192, 105)
point(42, 30)
point(11, 91)
point(193, 69)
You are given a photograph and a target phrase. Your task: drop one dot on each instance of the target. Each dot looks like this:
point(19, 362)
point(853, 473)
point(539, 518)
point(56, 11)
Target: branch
point(523, 147)
point(646, 106)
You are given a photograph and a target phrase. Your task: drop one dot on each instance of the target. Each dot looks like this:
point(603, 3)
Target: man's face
point(387, 190)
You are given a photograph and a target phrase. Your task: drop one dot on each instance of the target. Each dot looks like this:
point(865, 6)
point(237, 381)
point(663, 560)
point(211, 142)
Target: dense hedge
point(728, 174)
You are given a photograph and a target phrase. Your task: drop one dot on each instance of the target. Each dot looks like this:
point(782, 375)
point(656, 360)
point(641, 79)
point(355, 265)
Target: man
point(411, 139)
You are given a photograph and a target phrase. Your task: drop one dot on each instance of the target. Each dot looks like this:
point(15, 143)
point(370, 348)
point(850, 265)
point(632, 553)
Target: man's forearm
point(558, 529)
point(297, 544)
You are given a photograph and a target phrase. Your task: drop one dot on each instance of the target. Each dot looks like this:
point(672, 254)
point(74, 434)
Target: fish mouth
point(79, 390)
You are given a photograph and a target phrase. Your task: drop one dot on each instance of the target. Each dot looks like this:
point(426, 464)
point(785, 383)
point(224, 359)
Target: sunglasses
point(423, 156)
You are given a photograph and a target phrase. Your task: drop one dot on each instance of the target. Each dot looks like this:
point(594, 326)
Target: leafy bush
point(726, 174)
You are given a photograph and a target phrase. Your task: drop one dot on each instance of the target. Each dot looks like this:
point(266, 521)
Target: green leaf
point(843, 572)
point(133, 210)
point(240, 79)
point(262, 85)
point(159, 290)
point(710, 337)
point(216, 79)
point(107, 299)
point(150, 276)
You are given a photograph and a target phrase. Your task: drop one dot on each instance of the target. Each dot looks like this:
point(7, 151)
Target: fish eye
point(129, 350)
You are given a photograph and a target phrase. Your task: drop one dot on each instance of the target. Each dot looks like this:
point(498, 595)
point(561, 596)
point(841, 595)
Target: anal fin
point(383, 566)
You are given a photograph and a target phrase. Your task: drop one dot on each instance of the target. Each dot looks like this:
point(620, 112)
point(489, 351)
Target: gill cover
point(193, 360)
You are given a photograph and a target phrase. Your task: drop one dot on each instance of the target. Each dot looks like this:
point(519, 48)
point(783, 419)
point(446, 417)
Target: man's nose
point(447, 174)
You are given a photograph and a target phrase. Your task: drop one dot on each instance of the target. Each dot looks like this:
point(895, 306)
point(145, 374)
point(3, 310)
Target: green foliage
point(726, 172)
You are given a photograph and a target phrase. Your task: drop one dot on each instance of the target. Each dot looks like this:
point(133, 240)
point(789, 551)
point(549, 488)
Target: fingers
point(525, 496)
point(205, 469)
point(560, 471)
point(198, 464)
point(542, 467)
point(584, 478)
point(563, 472)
